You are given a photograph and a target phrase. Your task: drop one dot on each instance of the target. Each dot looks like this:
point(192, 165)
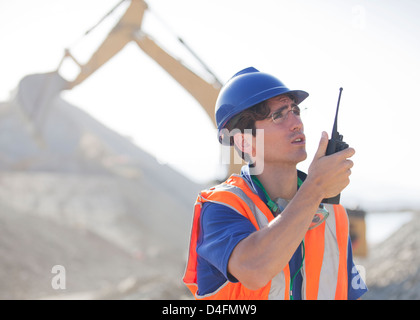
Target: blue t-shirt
point(222, 228)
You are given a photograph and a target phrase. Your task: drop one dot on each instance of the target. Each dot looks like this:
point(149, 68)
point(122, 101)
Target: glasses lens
point(296, 110)
point(280, 115)
point(320, 216)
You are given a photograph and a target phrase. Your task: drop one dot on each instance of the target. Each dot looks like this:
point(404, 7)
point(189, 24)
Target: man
point(264, 234)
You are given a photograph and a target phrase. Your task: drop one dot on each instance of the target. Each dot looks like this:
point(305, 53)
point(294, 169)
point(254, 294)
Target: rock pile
point(76, 194)
point(393, 266)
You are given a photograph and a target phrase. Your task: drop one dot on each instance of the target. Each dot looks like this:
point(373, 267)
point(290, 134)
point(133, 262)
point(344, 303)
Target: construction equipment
point(358, 231)
point(129, 29)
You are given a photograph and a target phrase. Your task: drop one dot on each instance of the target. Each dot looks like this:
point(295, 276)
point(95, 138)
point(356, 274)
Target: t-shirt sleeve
point(221, 229)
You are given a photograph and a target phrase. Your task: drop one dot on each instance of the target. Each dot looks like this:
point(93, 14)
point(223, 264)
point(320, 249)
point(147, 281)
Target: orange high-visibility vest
point(325, 266)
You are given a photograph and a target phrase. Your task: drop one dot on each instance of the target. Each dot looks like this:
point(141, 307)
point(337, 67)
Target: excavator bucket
point(35, 93)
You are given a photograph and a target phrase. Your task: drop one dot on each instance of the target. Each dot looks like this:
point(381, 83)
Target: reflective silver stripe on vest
point(258, 214)
point(278, 283)
point(329, 269)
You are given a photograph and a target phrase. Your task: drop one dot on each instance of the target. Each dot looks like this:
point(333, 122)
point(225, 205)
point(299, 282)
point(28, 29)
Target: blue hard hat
point(247, 88)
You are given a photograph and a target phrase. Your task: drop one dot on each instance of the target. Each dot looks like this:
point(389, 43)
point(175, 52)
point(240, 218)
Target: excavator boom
point(120, 35)
point(128, 29)
point(205, 93)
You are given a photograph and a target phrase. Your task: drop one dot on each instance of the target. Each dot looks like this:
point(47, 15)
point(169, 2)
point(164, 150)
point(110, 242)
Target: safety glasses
point(281, 115)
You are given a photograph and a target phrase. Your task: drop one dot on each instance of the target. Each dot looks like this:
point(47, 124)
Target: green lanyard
point(300, 268)
point(272, 205)
point(274, 208)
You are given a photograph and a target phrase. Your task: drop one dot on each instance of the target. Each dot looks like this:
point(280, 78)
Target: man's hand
point(330, 174)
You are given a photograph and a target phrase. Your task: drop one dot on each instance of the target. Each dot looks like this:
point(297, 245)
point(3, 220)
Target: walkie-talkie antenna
point(335, 131)
point(335, 143)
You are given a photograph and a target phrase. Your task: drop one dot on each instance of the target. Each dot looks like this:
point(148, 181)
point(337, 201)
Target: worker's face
point(284, 141)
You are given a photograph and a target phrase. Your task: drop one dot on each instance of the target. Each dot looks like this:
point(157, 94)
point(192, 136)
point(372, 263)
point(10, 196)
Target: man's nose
point(294, 121)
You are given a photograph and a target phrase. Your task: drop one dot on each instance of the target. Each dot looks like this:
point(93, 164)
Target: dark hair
point(246, 120)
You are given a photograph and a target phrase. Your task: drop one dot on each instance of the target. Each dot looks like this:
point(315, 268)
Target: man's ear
point(243, 141)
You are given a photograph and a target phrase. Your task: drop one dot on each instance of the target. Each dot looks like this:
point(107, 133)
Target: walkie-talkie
point(335, 144)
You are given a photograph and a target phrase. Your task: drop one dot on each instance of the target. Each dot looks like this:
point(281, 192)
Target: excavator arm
point(117, 39)
point(128, 29)
point(205, 93)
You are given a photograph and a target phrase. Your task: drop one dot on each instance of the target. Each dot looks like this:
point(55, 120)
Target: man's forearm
point(263, 254)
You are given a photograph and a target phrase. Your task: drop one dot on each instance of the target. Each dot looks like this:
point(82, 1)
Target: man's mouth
point(300, 139)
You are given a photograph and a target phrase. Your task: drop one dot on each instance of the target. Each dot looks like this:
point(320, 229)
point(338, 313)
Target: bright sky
point(370, 48)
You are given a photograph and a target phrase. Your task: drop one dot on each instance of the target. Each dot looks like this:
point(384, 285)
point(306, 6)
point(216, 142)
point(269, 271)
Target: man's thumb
point(322, 148)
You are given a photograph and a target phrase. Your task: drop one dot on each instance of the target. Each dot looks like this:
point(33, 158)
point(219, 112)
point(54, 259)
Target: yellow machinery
point(358, 232)
point(129, 29)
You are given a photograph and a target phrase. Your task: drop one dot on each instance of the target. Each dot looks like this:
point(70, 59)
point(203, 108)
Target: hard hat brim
point(299, 96)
